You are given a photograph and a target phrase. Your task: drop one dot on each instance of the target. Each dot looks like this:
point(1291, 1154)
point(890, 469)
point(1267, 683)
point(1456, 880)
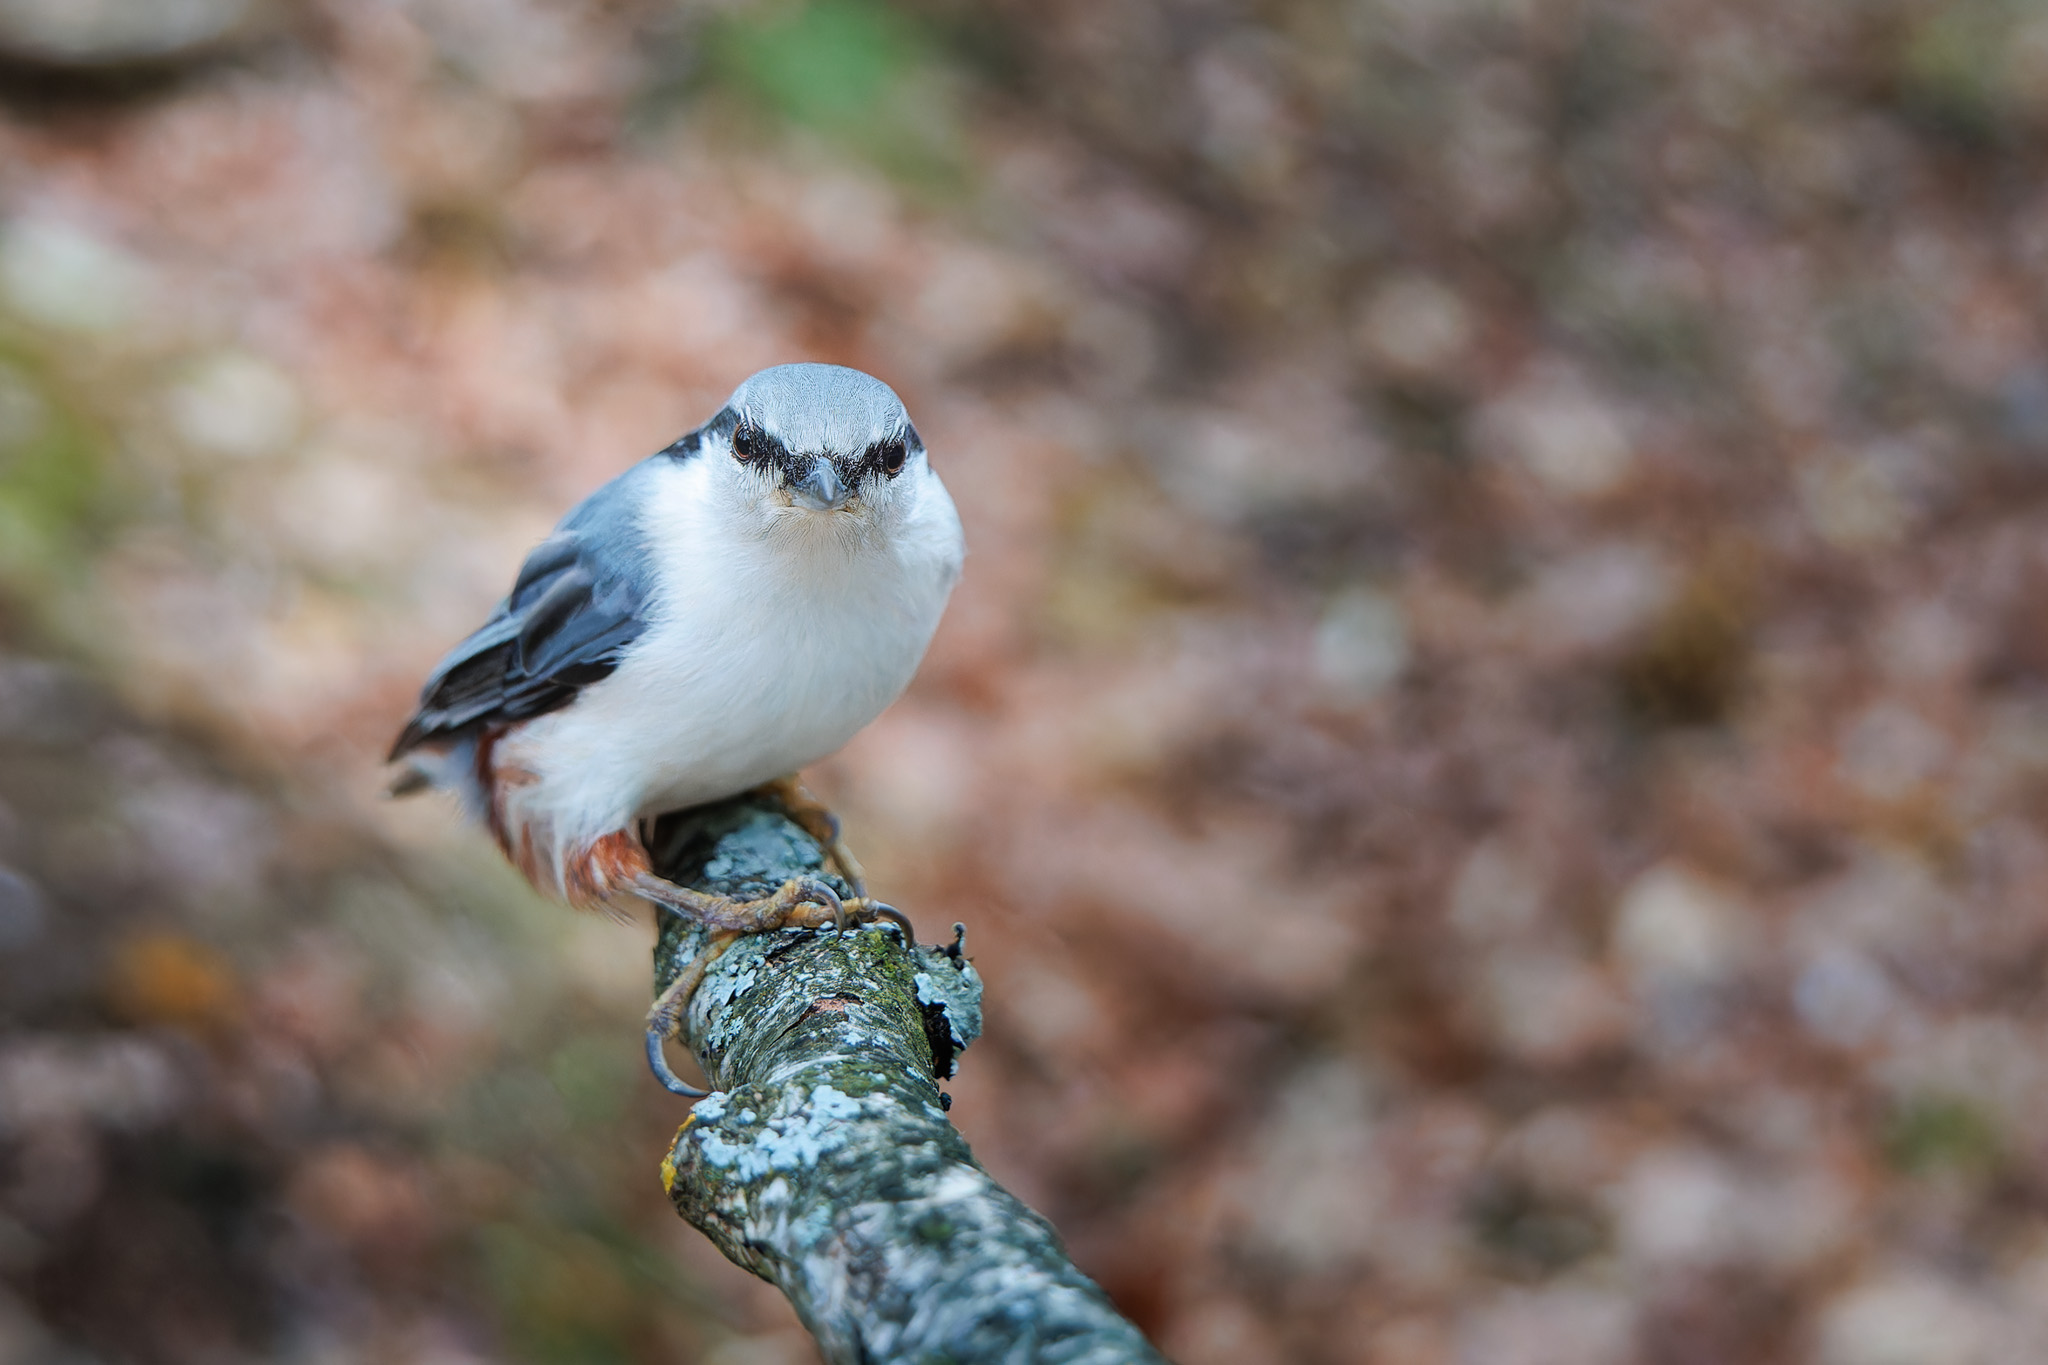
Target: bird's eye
point(893, 455)
point(749, 442)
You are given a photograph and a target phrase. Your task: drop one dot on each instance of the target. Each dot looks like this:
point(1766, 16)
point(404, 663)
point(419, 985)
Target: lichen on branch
point(824, 1161)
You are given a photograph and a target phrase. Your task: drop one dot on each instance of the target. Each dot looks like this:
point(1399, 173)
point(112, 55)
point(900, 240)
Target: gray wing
point(576, 607)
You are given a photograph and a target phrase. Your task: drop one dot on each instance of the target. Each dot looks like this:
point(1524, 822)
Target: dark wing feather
point(576, 607)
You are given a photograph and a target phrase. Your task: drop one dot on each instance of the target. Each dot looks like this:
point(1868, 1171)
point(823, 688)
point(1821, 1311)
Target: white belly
point(762, 658)
point(706, 707)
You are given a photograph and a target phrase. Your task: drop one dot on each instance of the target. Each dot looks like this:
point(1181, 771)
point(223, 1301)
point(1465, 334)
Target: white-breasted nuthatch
point(723, 613)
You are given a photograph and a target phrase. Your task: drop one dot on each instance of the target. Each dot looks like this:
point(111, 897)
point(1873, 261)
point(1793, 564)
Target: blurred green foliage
point(573, 1285)
point(563, 1296)
point(859, 73)
point(594, 1075)
point(1977, 67)
point(1940, 1133)
point(822, 64)
point(52, 474)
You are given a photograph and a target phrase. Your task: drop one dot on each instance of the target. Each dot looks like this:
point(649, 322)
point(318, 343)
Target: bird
point(728, 611)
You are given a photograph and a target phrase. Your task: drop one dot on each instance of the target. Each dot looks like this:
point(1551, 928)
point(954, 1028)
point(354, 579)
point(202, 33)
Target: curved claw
point(882, 910)
point(811, 890)
point(657, 1062)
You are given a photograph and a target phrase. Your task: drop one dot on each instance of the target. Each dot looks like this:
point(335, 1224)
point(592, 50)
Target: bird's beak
point(819, 489)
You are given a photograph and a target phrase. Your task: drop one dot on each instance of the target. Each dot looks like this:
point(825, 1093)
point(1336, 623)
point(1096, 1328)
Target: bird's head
point(818, 439)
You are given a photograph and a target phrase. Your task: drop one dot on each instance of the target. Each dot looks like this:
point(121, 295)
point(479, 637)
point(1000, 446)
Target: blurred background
point(1493, 744)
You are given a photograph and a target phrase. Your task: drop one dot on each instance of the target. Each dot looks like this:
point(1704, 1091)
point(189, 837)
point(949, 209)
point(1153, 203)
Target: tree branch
point(823, 1161)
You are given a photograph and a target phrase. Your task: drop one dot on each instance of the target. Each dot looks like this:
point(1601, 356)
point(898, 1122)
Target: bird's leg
point(821, 824)
point(801, 902)
point(667, 1015)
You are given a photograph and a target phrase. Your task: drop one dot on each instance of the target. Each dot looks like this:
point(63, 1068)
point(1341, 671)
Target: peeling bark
point(823, 1161)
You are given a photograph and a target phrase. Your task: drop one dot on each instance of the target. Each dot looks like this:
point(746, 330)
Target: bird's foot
point(866, 910)
point(821, 824)
point(800, 903)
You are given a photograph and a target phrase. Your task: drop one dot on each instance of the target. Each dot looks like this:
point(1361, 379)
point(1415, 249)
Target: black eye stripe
point(750, 443)
point(888, 456)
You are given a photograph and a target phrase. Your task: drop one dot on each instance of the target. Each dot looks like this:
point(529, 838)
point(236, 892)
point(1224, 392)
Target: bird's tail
point(450, 765)
point(409, 780)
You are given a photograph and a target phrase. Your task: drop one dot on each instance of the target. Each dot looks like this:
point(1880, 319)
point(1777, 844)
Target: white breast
point(771, 642)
